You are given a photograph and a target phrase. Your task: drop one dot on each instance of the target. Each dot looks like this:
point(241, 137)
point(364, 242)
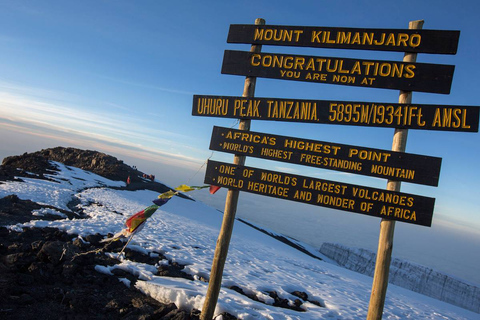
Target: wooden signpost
point(327, 155)
point(391, 205)
point(387, 226)
point(223, 241)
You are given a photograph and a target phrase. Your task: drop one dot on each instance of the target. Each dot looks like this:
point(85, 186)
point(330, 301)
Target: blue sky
point(119, 76)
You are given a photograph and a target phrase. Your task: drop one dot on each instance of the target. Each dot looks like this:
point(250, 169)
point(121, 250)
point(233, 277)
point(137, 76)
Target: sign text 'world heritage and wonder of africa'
point(379, 163)
point(373, 114)
point(424, 77)
point(403, 40)
point(336, 195)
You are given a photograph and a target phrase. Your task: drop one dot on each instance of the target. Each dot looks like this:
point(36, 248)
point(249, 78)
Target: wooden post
point(223, 241)
point(387, 227)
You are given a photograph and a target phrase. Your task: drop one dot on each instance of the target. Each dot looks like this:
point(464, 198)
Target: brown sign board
point(404, 40)
point(379, 163)
point(336, 195)
point(372, 114)
point(424, 77)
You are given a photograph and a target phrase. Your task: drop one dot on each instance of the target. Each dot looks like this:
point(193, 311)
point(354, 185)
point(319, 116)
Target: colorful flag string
point(136, 222)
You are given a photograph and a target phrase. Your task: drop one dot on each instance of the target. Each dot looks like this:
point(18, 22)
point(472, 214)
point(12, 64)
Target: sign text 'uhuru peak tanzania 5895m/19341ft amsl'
point(374, 114)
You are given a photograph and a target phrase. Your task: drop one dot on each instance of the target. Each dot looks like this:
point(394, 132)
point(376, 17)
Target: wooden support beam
point(387, 227)
point(223, 242)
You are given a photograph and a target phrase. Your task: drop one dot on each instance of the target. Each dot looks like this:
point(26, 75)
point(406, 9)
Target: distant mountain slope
point(93, 161)
point(38, 163)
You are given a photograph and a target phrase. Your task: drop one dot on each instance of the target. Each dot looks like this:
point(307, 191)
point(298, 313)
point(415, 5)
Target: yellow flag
point(184, 188)
point(167, 195)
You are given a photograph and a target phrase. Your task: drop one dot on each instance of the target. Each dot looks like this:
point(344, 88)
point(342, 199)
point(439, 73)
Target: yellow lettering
point(258, 35)
point(415, 40)
point(254, 61)
point(402, 39)
point(390, 40)
point(297, 34)
point(409, 71)
point(316, 36)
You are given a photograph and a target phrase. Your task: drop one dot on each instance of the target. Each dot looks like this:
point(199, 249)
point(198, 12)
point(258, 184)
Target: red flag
point(214, 189)
point(135, 222)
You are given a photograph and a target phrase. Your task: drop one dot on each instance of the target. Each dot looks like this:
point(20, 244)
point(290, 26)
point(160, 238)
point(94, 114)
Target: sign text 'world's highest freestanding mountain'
point(327, 155)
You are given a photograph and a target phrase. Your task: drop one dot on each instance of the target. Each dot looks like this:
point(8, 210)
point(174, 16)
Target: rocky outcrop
point(94, 161)
point(39, 165)
point(408, 275)
point(14, 210)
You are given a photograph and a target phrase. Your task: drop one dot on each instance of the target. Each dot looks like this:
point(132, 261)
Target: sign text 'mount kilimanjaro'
point(372, 114)
point(379, 163)
point(405, 76)
point(336, 195)
point(404, 40)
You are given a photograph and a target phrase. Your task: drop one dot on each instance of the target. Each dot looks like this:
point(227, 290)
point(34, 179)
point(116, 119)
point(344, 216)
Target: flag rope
point(137, 221)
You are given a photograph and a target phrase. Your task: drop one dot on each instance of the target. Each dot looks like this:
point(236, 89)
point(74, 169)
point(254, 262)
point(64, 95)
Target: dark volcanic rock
point(43, 275)
point(14, 210)
point(94, 161)
point(173, 270)
point(284, 303)
point(28, 164)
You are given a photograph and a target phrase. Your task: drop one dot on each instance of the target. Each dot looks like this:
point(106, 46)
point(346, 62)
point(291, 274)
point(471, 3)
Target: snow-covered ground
point(186, 231)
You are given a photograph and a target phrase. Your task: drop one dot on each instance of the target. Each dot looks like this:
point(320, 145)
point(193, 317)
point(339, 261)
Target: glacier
point(408, 275)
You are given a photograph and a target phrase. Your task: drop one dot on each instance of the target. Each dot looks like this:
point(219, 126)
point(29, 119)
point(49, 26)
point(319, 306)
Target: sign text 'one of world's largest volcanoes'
point(404, 40)
point(424, 77)
point(336, 195)
point(378, 163)
point(355, 113)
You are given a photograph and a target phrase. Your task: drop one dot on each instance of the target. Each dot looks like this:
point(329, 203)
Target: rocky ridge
point(48, 274)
